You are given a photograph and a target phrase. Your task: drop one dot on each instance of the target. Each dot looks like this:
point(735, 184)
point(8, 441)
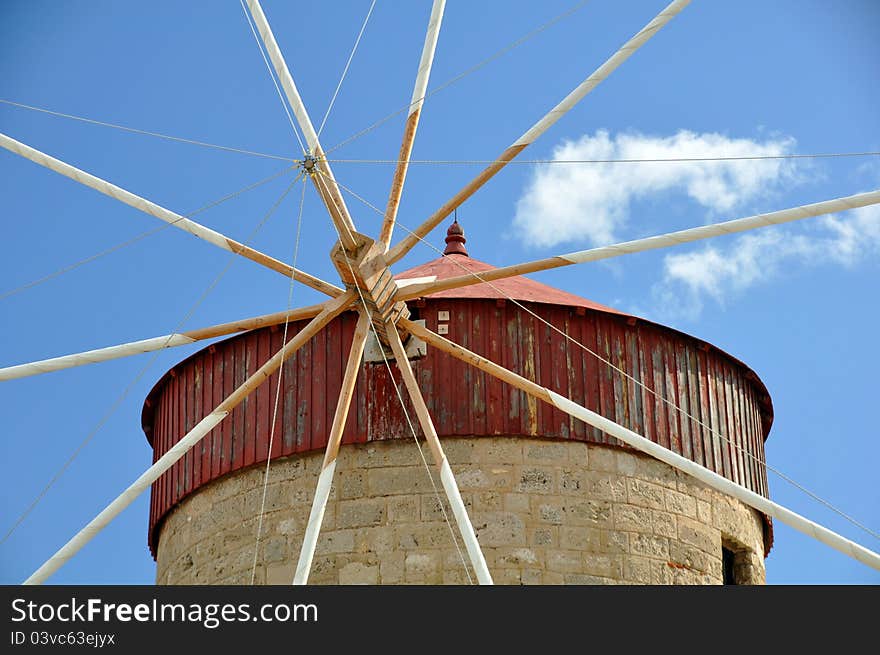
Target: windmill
point(363, 267)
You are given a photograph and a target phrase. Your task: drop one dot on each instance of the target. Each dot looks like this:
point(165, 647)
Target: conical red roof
point(456, 261)
point(518, 287)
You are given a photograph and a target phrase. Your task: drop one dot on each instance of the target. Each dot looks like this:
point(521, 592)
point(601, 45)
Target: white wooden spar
point(173, 219)
point(327, 187)
point(155, 343)
point(328, 467)
point(544, 124)
point(412, 121)
point(710, 478)
point(332, 308)
point(648, 243)
point(447, 479)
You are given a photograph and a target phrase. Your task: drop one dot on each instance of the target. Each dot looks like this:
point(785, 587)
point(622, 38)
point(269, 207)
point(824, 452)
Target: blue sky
point(798, 304)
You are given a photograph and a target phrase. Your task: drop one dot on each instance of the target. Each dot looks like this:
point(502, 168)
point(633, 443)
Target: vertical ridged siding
point(719, 394)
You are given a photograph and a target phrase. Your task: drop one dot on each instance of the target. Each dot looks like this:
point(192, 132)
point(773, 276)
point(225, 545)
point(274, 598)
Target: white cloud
point(723, 273)
point(590, 203)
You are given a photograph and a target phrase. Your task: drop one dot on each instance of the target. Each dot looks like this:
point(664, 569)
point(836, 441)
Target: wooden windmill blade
point(173, 219)
point(326, 184)
point(412, 121)
point(156, 343)
point(685, 404)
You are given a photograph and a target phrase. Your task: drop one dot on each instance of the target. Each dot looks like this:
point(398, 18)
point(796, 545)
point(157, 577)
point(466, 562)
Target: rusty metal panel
point(682, 399)
point(188, 391)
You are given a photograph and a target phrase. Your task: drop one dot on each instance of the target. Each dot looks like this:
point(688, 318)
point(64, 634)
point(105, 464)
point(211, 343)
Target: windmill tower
point(551, 500)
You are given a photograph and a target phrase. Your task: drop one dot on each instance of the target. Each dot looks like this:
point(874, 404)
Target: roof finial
point(455, 239)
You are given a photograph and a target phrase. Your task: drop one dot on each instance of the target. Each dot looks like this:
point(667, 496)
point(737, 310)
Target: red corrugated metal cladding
point(713, 389)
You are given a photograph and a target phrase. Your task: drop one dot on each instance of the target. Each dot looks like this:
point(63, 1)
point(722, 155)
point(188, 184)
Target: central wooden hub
point(365, 269)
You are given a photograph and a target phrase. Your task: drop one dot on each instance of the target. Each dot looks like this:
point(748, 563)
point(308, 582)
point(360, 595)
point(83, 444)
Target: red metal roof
point(518, 287)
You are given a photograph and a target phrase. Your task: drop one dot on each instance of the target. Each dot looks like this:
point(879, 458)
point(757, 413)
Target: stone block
point(402, 509)
point(393, 480)
point(572, 481)
point(275, 549)
point(507, 576)
point(632, 518)
point(749, 572)
point(697, 534)
point(378, 539)
point(458, 577)
point(596, 513)
point(455, 559)
point(351, 484)
point(731, 517)
point(580, 538)
point(690, 486)
point(637, 569)
point(545, 452)
point(691, 557)
point(645, 494)
point(421, 536)
point(501, 477)
point(603, 459)
point(359, 513)
point(337, 541)
point(324, 570)
point(282, 470)
point(515, 557)
point(564, 561)
point(550, 513)
point(228, 511)
point(543, 536)
point(657, 472)
point(487, 500)
point(536, 480)
point(605, 486)
point(422, 567)
point(378, 454)
point(432, 508)
point(516, 502)
point(606, 566)
point(499, 529)
point(471, 477)
point(497, 450)
point(391, 568)
point(532, 576)
point(614, 541)
point(359, 573)
point(661, 573)
point(460, 451)
point(579, 454)
point(704, 511)
point(679, 503)
point(664, 524)
point(627, 463)
point(649, 545)
point(289, 526)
